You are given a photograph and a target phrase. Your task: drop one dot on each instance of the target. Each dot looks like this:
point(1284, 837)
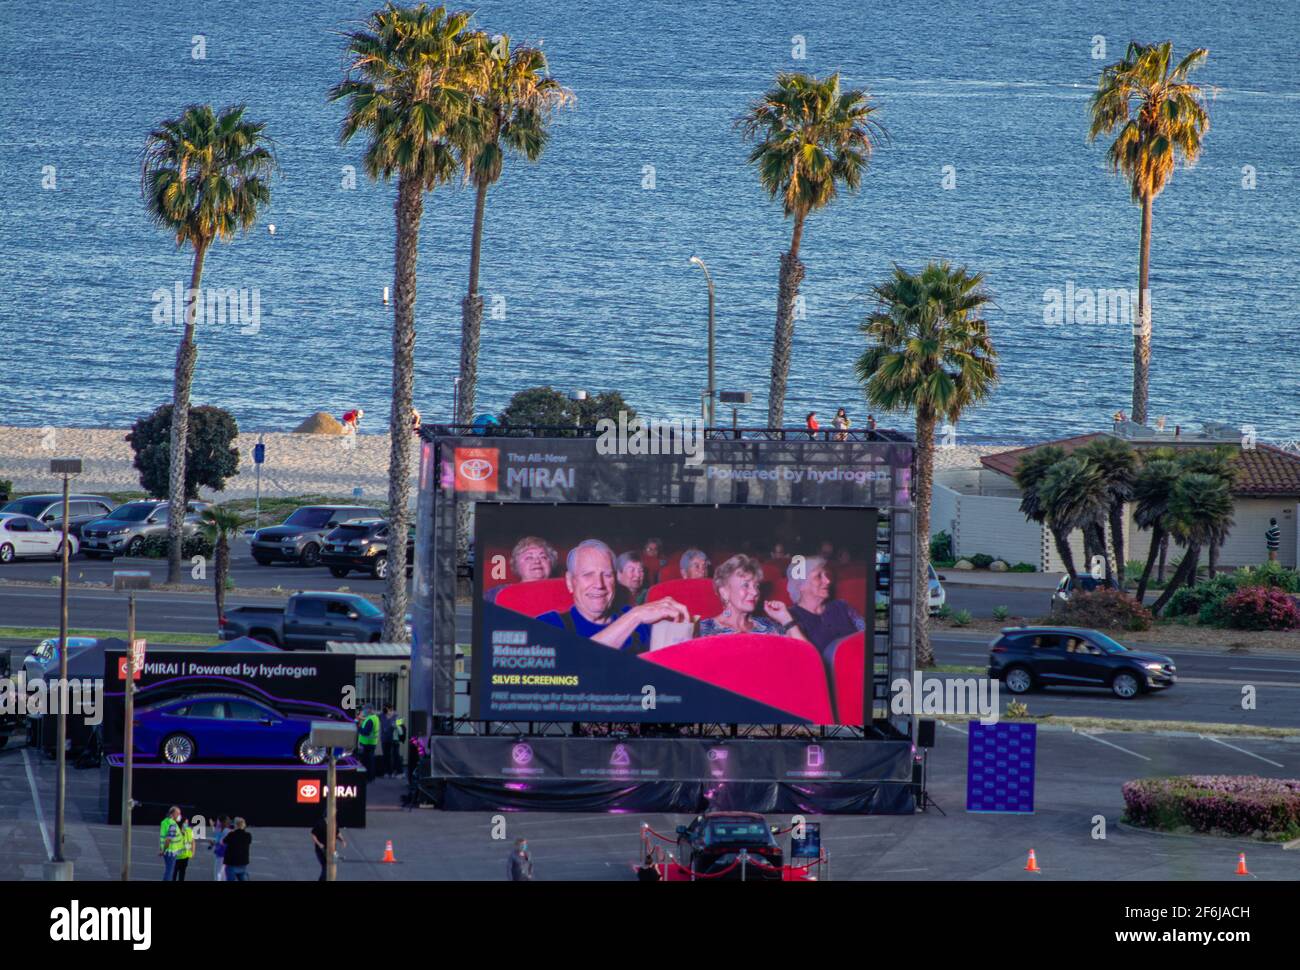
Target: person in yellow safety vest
point(186, 853)
point(368, 739)
point(170, 842)
point(394, 729)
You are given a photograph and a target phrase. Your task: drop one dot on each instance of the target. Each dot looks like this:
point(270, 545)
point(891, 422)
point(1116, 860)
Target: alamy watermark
point(946, 697)
point(648, 436)
point(32, 698)
point(211, 305)
point(1085, 306)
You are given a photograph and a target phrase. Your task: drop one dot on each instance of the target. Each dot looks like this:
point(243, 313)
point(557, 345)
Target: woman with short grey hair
point(809, 580)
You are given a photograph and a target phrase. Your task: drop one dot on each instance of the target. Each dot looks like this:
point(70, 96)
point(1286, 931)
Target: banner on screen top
point(672, 614)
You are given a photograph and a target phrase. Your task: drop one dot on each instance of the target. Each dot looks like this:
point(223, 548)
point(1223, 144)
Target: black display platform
point(279, 795)
point(680, 775)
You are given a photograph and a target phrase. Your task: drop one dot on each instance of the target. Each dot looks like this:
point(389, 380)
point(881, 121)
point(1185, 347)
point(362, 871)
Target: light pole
point(60, 868)
point(332, 735)
point(455, 401)
point(129, 580)
point(577, 397)
point(708, 279)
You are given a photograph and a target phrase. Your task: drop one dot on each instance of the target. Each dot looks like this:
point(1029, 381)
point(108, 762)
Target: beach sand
point(296, 464)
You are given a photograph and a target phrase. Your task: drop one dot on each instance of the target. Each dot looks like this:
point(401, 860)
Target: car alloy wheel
point(1125, 685)
point(380, 569)
point(338, 572)
point(310, 754)
point(6, 553)
point(1019, 680)
point(134, 546)
point(178, 749)
point(310, 555)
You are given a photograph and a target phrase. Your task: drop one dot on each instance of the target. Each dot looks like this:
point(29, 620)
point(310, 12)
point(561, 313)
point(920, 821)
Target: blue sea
point(585, 260)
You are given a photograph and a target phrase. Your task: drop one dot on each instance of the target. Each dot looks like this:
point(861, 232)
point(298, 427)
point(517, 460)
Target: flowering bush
point(1106, 609)
point(1261, 608)
point(1266, 808)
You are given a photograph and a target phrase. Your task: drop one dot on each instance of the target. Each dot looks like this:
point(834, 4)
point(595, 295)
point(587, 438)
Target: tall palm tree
point(1152, 490)
point(1200, 514)
point(509, 114)
point(1162, 119)
point(411, 75)
point(1118, 464)
point(1075, 496)
point(205, 176)
point(928, 351)
point(1029, 475)
point(812, 138)
point(218, 524)
point(1221, 462)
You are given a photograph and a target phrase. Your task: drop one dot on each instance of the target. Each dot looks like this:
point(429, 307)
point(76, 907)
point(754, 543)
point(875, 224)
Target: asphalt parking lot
point(1079, 777)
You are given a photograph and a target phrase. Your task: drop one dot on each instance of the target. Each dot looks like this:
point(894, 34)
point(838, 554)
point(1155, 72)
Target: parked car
point(299, 538)
point(935, 591)
point(82, 509)
point(362, 545)
point(123, 531)
point(1066, 587)
point(23, 537)
point(1025, 657)
point(307, 622)
point(213, 727)
point(713, 842)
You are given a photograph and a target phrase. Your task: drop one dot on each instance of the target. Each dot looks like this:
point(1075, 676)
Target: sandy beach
point(296, 464)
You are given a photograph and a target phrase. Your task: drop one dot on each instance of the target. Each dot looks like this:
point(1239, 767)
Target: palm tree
point(1029, 475)
point(1152, 490)
point(928, 351)
point(1200, 514)
point(1161, 118)
point(509, 115)
point(205, 176)
point(218, 524)
point(1221, 462)
point(811, 139)
point(1075, 495)
point(410, 76)
point(1118, 463)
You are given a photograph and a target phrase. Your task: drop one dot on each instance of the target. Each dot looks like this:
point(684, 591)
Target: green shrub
point(1017, 709)
point(1000, 612)
point(1211, 593)
point(6, 489)
point(1105, 609)
point(962, 618)
point(945, 612)
point(155, 547)
point(981, 560)
point(940, 547)
point(1023, 567)
point(210, 455)
point(1219, 804)
point(1272, 574)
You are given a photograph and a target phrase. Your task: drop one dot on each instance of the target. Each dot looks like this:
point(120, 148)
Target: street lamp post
point(708, 279)
point(60, 868)
point(129, 580)
point(332, 735)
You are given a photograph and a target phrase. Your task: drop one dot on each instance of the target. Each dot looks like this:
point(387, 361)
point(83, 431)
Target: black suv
point(712, 844)
point(82, 509)
point(299, 538)
point(362, 545)
point(1025, 657)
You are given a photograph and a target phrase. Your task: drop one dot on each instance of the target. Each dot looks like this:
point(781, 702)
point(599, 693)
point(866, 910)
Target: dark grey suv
point(123, 531)
point(82, 509)
point(300, 537)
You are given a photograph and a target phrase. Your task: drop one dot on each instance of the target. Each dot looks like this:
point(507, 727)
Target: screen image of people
point(711, 593)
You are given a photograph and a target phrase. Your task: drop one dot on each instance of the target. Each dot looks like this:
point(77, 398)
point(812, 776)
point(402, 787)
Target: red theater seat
point(854, 592)
point(697, 595)
point(847, 659)
point(779, 671)
point(671, 571)
point(535, 598)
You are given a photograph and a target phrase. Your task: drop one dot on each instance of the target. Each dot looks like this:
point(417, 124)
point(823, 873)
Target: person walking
point(386, 752)
point(170, 841)
point(319, 833)
point(519, 867)
point(368, 739)
point(218, 848)
point(813, 426)
point(841, 425)
point(1273, 539)
point(238, 843)
point(186, 852)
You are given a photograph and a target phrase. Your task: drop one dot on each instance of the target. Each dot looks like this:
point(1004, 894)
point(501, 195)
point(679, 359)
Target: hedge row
point(1267, 808)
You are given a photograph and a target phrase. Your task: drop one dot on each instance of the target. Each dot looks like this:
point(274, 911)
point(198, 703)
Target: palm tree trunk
point(410, 207)
point(1098, 530)
point(1164, 556)
point(925, 422)
point(787, 293)
point(186, 357)
point(471, 328)
point(223, 568)
point(1117, 539)
point(1185, 568)
point(1062, 540)
point(1142, 328)
point(1213, 559)
point(1157, 543)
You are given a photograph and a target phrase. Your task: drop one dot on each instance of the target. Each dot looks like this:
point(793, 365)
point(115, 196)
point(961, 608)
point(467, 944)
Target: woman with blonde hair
point(737, 582)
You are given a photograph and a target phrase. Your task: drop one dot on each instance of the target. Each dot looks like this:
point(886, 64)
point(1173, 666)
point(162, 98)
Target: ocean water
point(587, 268)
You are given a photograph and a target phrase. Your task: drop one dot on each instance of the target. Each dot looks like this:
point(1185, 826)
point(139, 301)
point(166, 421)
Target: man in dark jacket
point(519, 868)
point(238, 841)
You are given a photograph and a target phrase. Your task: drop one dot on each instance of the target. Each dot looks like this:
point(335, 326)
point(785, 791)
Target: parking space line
point(36, 800)
point(1093, 737)
point(951, 728)
point(1207, 737)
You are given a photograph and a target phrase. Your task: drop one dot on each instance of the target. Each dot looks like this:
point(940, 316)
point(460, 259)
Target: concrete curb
point(1202, 837)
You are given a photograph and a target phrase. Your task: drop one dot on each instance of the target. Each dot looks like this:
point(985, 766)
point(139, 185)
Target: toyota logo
point(476, 469)
point(309, 790)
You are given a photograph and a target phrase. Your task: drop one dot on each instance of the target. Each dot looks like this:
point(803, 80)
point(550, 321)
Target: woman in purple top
point(823, 619)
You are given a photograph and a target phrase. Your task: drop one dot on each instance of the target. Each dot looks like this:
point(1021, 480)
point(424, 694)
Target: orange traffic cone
point(388, 852)
point(1241, 865)
point(1032, 864)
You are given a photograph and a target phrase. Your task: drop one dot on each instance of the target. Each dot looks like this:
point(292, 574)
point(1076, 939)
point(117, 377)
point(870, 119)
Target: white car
point(935, 592)
point(23, 537)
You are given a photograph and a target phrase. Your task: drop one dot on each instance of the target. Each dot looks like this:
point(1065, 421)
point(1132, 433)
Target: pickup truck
point(307, 621)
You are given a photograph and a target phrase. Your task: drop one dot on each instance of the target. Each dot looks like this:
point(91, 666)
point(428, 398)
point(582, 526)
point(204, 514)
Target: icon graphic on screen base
point(522, 754)
point(309, 791)
point(717, 762)
point(620, 756)
point(816, 756)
